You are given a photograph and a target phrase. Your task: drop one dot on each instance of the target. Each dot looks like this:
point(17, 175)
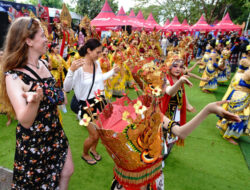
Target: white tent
point(52, 12)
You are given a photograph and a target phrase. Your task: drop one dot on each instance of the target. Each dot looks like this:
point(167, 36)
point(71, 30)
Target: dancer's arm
point(246, 75)
point(197, 77)
point(189, 107)
point(187, 128)
point(171, 90)
point(192, 68)
point(110, 73)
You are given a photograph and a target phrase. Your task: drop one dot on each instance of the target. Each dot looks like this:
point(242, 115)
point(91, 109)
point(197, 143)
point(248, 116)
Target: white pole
point(245, 32)
point(225, 11)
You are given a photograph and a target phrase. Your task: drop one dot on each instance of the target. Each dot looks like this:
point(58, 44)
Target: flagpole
point(245, 32)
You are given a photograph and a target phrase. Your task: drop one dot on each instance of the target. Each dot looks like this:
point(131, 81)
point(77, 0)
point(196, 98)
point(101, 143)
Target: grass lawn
point(205, 162)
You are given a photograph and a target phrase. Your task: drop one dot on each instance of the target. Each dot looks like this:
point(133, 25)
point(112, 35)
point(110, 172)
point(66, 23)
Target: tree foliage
point(193, 9)
point(48, 3)
point(93, 7)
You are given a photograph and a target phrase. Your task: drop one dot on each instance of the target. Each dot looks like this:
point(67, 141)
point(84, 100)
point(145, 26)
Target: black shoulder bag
point(74, 104)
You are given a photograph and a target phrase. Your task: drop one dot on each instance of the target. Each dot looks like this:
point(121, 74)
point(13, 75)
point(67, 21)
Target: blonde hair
point(15, 53)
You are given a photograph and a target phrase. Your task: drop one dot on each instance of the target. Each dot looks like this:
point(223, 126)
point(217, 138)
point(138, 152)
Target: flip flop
point(89, 161)
point(232, 141)
point(96, 156)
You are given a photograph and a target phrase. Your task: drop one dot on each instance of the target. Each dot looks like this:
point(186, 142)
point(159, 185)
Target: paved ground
point(5, 178)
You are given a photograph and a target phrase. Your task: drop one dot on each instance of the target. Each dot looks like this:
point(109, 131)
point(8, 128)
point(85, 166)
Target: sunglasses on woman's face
point(30, 23)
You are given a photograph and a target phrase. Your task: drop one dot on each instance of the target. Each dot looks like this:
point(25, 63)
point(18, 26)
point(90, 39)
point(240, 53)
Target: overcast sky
point(127, 4)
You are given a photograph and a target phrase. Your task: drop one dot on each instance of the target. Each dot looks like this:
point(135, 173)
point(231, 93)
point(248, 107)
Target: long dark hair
point(53, 45)
point(90, 44)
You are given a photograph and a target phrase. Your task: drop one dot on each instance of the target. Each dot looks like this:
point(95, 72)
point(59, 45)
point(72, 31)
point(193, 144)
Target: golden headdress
point(173, 57)
point(85, 22)
point(244, 64)
point(131, 131)
point(144, 37)
point(65, 16)
point(114, 35)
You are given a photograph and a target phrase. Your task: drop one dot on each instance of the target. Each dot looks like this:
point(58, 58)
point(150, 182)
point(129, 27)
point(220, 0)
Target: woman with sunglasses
point(42, 158)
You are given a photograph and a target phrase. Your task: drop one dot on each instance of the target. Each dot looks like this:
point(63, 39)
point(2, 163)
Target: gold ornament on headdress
point(85, 22)
point(114, 35)
point(172, 57)
point(65, 16)
point(32, 15)
point(144, 36)
point(244, 62)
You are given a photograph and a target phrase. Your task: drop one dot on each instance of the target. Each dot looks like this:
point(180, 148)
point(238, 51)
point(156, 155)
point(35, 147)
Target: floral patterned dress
point(40, 150)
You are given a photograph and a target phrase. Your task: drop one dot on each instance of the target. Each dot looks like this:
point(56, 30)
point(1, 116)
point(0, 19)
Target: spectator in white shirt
point(80, 78)
point(164, 45)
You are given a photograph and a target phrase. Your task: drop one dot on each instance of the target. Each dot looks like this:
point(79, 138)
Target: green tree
point(48, 3)
point(154, 9)
point(193, 9)
point(93, 7)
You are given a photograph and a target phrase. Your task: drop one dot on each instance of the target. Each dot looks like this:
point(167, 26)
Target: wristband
point(171, 124)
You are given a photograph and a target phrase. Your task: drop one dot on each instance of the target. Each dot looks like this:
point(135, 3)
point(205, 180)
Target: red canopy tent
point(226, 24)
point(201, 25)
point(216, 22)
point(174, 26)
point(151, 23)
point(166, 23)
point(132, 18)
point(105, 20)
point(185, 25)
point(124, 19)
point(140, 18)
point(132, 14)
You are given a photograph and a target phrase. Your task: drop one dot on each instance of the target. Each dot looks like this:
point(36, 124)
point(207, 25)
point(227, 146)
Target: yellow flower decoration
point(90, 106)
point(139, 108)
point(98, 99)
point(156, 91)
point(85, 120)
point(125, 115)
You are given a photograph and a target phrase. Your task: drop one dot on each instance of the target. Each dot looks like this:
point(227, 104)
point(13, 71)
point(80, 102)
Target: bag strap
point(33, 72)
point(44, 63)
point(93, 80)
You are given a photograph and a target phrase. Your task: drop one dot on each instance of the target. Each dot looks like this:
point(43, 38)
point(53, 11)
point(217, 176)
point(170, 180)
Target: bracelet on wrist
point(171, 124)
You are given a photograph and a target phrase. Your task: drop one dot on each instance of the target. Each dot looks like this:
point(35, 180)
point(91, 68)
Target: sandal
point(231, 140)
point(96, 156)
point(90, 162)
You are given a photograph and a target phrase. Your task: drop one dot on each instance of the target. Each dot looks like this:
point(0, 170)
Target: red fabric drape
point(63, 42)
point(166, 98)
point(164, 106)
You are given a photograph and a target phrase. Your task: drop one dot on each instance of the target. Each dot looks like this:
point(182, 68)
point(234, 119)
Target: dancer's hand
point(191, 109)
point(116, 68)
point(34, 97)
point(184, 80)
point(76, 64)
point(205, 79)
point(216, 108)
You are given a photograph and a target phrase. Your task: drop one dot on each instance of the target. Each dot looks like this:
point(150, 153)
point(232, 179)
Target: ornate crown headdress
point(85, 22)
point(131, 131)
point(65, 16)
